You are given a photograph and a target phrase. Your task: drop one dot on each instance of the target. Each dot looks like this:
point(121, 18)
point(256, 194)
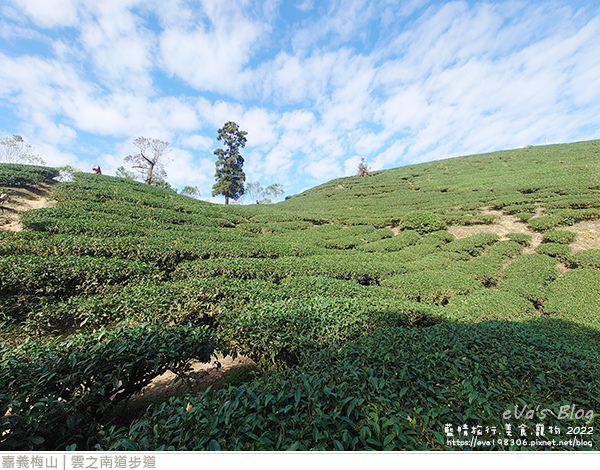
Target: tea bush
point(529, 276)
point(521, 238)
point(280, 331)
point(555, 250)
point(487, 269)
point(145, 303)
point(17, 175)
point(432, 287)
point(393, 390)
point(59, 392)
point(28, 280)
point(489, 305)
point(505, 249)
point(576, 297)
point(559, 236)
point(422, 221)
point(396, 243)
point(585, 259)
point(473, 245)
point(434, 261)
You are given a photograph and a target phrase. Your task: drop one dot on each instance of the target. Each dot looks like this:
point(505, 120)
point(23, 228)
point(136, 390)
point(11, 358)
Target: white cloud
point(395, 83)
point(211, 55)
point(197, 142)
point(50, 13)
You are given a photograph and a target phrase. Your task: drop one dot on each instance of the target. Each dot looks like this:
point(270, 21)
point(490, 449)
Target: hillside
point(380, 312)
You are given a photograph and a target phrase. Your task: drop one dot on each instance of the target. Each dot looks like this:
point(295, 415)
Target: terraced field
point(397, 311)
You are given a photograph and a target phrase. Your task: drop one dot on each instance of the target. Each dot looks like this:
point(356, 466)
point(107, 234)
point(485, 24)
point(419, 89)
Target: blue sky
point(316, 84)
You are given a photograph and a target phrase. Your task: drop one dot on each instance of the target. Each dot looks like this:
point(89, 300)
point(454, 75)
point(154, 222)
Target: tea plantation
point(372, 326)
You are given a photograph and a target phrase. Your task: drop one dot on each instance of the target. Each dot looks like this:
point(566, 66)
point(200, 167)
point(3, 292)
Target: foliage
point(504, 249)
point(393, 390)
point(191, 191)
point(432, 287)
point(59, 393)
point(262, 195)
point(473, 245)
point(529, 276)
point(229, 174)
point(585, 259)
point(122, 172)
point(521, 238)
point(576, 297)
point(490, 305)
point(559, 236)
point(396, 243)
point(280, 331)
point(555, 250)
point(422, 221)
point(18, 176)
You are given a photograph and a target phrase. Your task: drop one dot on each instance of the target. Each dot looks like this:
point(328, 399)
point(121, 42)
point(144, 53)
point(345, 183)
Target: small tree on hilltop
point(149, 161)
point(15, 150)
point(363, 169)
point(191, 191)
point(229, 174)
point(255, 191)
point(275, 190)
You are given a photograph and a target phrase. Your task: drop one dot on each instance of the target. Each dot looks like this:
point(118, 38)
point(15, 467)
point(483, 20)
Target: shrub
point(422, 221)
point(504, 249)
point(396, 243)
point(585, 259)
point(16, 175)
point(489, 305)
point(144, 303)
point(473, 245)
point(528, 276)
point(394, 390)
point(60, 392)
point(559, 236)
point(576, 297)
point(439, 238)
point(280, 331)
point(29, 280)
point(486, 269)
point(434, 261)
point(546, 222)
point(241, 375)
point(555, 250)
point(432, 287)
point(521, 238)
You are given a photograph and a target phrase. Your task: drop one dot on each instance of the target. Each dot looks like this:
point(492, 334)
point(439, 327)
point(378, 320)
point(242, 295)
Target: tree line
point(150, 159)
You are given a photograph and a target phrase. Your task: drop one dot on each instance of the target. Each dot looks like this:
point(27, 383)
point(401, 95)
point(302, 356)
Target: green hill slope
point(383, 312)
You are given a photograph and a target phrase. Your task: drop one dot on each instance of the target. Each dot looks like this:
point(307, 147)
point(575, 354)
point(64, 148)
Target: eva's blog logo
point(565, 412)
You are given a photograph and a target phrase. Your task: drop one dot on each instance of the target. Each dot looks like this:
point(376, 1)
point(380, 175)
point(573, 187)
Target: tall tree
point(229, 174)
point(149, 162)
point(15, 150)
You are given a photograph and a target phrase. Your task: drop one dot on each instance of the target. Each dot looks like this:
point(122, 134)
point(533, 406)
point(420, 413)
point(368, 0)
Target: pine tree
point(229, 174)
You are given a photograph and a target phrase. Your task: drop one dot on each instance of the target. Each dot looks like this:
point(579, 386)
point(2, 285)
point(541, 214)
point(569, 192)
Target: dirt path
point(203, 375)
point(23, 199)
